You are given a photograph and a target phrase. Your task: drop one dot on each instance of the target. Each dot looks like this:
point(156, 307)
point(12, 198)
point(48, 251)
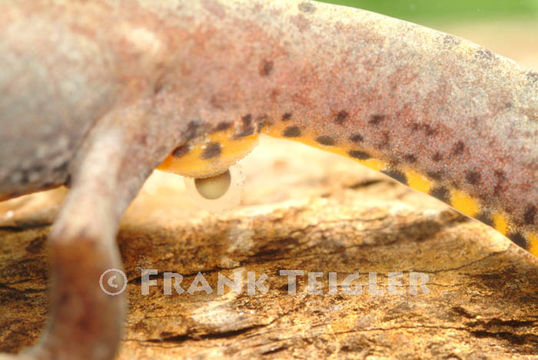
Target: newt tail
point(435, 112)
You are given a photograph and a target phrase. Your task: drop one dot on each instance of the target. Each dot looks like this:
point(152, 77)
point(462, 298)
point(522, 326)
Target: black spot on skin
point(37, 168)
point(518, 239)
point(62, 167)
point(529, 214)
point(500, 175)
point(263, 121)
point(437, 156)
point(181, 151)
point(361, 155)
point(385, 140)
point(286, 116)
point(266, 67)
point(376, 119)
point(533, 76)
point(473, 177)
point(211, 151)
point(508, 105)
point(225, 125)
point(341, 117)
point(325, 140)
point(307, 7)
point(142, 139)
point(25, 179)
point(428, 130)
point(192, 129)
point(247, 120)
point(356, 138)
point(247, 129)
point(450, 40)
point(246, 132)
point(485, 54)
point(410, 158)
point(458, 148)
point(485, 217)
point(396, 175)
point(441, 193)
point(435, 175)
point(157, 88)
point(216, 101)
point(291, 131)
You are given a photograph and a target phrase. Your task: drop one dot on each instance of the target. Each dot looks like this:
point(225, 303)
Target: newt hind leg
point(112, 165)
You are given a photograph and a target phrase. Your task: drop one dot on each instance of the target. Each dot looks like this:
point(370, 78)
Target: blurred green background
point(447, 10)
point(507, 27)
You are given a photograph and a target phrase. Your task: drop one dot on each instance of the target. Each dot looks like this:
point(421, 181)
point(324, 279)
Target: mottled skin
point(96, 94)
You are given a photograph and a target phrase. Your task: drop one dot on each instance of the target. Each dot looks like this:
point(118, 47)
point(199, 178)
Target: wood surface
point(301, 209)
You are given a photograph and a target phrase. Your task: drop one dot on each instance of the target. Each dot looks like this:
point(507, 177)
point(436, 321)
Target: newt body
point(97, 94)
